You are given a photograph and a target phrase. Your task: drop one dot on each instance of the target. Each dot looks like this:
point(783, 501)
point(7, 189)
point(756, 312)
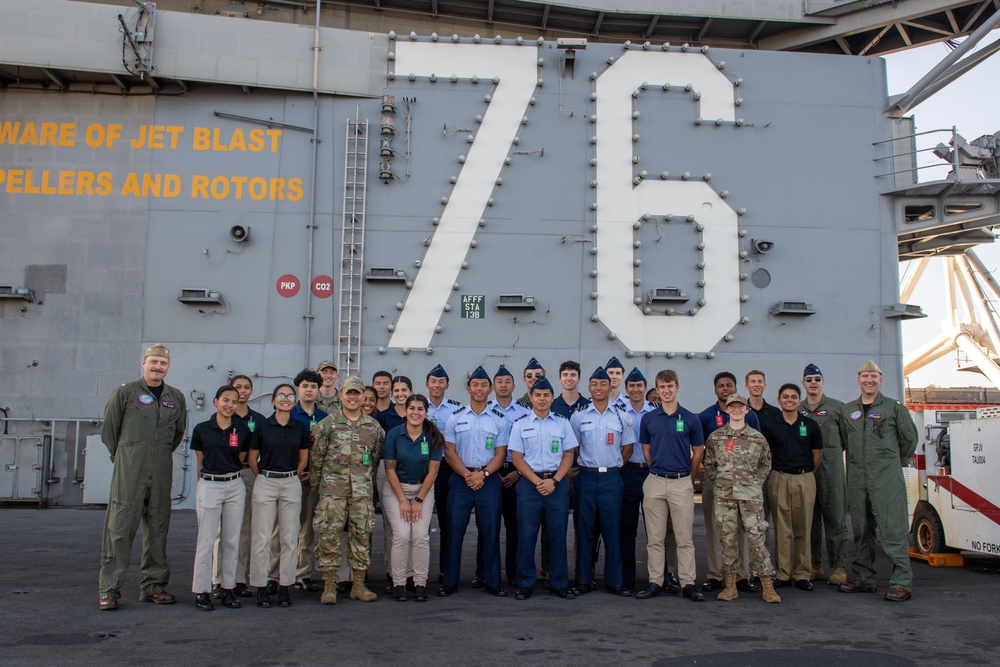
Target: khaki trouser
point(669, 500)
point(410, 542)
point(714, 540)
point(792, 498)
point(243, 561)
point(218, 503)
point(281, 499)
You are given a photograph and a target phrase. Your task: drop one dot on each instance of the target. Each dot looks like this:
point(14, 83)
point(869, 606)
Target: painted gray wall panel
point(86, 36)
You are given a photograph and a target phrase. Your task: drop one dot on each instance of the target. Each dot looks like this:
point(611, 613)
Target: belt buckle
point(602, 469)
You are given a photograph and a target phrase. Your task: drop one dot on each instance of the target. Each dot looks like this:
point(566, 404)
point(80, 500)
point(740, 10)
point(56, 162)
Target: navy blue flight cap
point(542, 384)
point(479, 374)
point(438, 372)
point(502, 371)
point(614, 363)
point(533, 365)
point(635, 376)
point(812, 369)
point(600, 374)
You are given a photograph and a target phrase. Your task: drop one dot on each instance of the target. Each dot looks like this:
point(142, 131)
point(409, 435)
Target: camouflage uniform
point(343, 461)
point(738, 462)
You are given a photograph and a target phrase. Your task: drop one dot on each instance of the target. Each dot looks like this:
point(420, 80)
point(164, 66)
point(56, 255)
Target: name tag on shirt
point(461, 427)
point(587, 426)
point(720, 420)
point(529, 432)
point(234, 440)
point(730, 444)
point(170, 405)
point(611, 438)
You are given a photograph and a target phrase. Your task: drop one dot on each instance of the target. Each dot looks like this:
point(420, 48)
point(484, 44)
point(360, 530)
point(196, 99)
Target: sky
point(970, 105)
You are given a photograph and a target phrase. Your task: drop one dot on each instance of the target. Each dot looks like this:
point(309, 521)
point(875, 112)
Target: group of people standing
point(279, 496)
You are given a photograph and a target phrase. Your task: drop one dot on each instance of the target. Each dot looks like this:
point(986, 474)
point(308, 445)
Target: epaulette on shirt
point(497, 413)
point(522, 416)
point(453, 402)
point(557, 415)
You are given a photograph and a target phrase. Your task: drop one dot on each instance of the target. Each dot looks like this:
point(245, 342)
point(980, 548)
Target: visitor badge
point(251, 425)
point(680, 425)
point(434, 420)
point(425, 448)
point(611, 438)
point(312, 424)
point(234, 440)
point(802, 430)
point(730, 444)
point(719, 421)
point(555, 446)
point(364, 459)
point(489, 442)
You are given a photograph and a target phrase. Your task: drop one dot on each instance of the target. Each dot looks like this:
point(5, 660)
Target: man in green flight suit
point(347, 446)
point(880, 437)
point(144, 422)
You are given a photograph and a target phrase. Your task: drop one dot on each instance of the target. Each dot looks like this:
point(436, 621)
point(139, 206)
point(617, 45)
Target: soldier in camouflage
point(346, 450)
point(738, 460)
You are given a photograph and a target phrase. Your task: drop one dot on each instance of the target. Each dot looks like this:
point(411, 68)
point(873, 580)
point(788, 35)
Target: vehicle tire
point(928, 533)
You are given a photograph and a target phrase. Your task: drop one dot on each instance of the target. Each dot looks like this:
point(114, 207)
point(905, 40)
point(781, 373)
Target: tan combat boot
point(729, 593)
point(329, 589)
point(817, 572)
point(838, 577)
point(767, 586)
point(358, 590)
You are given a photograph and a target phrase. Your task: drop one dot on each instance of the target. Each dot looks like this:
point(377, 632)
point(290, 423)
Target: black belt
point(800, 471)
point(273, 474)
point(545, 475)
point(220, 478)
point(671, 475)
point(641, 465)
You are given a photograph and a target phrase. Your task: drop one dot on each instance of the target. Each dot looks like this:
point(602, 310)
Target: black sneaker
point(564, 593)
point(496, 591)
point(242, 591)
point(229, 600)
point(307, 585)
point(650, 591)
point(522, 593)
point(283, 599)
point(693, 594)
point(445, 591)
point(420, 593)
point(272, 587)
point(399, 593)
point(263, 598)
point(712, 585)
point(204, 602)
point(217, 591)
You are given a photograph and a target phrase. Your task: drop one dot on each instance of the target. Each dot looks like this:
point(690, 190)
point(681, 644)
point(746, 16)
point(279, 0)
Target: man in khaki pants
point(673, 445)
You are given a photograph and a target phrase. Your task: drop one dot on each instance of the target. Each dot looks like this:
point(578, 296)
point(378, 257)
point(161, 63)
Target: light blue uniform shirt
point(510, 413)
point(476, 437)
point(439, 413)
point(636, 417)
point(536, 438)
point(601, 436)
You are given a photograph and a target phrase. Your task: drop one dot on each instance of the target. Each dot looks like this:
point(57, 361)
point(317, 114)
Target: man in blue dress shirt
point(541, 445)
point(475, 448)
point(606, 436)
point(439, 409)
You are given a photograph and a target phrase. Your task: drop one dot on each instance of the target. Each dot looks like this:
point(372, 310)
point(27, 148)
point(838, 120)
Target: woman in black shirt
point(278, 456)
point(221, 444)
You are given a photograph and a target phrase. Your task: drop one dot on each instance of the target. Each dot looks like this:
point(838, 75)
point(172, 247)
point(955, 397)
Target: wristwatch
point(419, 500)
point(486, 473)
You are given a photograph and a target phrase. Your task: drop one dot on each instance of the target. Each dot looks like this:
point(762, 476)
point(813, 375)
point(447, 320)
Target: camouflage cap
point(157, 350)
point(870, 367)
point(325, 364)
point(736, 398)
point(352, 383)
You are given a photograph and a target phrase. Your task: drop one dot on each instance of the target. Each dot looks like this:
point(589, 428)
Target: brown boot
point(838, 577)
point(358, 590)
point(817, 572)
point(329, 589)
point(729, 593)
point(767, 586)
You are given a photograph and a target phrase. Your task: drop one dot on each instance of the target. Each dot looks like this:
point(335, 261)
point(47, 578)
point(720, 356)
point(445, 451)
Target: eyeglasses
point(284, 397)
point(528, 376)
point(817, 378)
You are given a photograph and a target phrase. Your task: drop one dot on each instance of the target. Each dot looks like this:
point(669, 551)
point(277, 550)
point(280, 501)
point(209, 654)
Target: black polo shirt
point(792, 445)
point(279, 445)
point(766, 412)
point(252, 420)
point(220, 449)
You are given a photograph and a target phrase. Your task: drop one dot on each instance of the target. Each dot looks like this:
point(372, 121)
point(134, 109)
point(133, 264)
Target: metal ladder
point(352, 247)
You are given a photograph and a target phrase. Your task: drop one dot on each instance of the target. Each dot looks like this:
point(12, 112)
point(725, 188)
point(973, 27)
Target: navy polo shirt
point(308, 420)
point(561, 407)
point(713, 417)
point(279, 445)
point(670, 438)
point(388, 419)
point(220, 449)
point(411, 464)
